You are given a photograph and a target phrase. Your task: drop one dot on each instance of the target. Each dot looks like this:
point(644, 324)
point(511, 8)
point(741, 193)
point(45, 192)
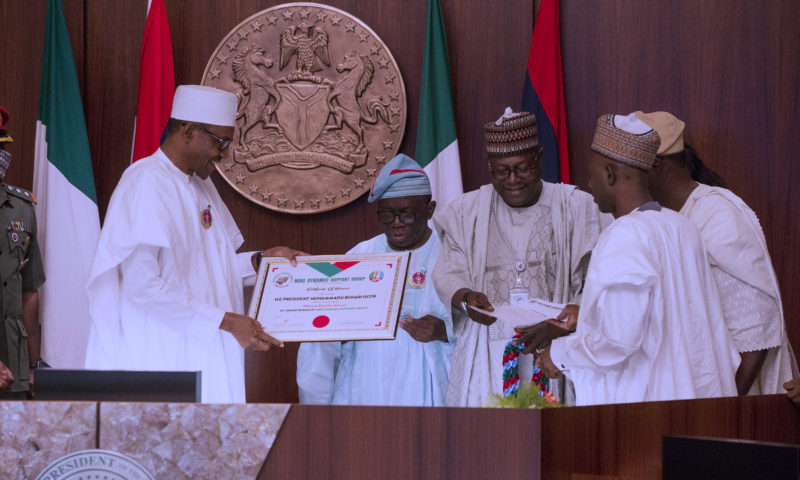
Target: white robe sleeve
point(146, 289)
point(245, 266)
point(621, 314)
point(317, 365)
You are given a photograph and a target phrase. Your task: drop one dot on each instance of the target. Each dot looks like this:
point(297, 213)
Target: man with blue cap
point(412, 369)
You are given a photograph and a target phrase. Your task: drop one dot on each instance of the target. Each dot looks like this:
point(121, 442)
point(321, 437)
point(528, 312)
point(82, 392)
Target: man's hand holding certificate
point(333, 297)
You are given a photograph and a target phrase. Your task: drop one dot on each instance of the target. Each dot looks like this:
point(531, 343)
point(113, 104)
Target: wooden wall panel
point(22, 39)
point(727, 68)
point(114, 43)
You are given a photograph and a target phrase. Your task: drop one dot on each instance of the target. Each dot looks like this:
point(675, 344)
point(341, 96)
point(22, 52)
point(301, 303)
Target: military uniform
point(21, 271)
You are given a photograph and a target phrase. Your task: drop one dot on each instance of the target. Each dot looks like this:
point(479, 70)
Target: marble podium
point(170, 440)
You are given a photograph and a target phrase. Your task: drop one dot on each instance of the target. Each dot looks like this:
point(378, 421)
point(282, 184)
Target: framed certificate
point(331, 297)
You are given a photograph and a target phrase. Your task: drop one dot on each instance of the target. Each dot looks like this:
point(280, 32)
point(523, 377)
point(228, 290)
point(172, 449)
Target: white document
point(331, 297)
point(520, 315)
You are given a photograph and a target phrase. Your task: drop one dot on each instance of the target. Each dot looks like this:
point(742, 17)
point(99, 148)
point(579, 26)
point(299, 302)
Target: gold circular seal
point(322, 107)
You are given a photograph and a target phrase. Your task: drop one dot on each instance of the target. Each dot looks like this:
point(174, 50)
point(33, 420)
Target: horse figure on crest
point(346, 100)
point(258, 89)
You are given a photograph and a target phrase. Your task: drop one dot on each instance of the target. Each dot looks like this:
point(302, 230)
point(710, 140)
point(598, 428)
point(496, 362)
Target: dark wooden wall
point(728, 68)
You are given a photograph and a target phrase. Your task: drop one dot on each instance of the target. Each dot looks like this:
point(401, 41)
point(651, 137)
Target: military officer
point(21, 275)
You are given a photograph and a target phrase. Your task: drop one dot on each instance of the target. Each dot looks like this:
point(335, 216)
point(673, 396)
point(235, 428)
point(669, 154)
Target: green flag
point(67, 215)
point(437, 146)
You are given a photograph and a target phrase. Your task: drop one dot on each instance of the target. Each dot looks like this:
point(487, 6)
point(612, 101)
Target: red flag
point(543, 92)
point(156, 83)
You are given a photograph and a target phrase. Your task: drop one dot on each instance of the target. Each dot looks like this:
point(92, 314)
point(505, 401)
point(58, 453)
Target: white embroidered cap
point(212, 106)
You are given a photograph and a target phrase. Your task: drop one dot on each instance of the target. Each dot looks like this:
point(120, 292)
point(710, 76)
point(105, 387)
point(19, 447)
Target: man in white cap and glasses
point(412, 369)
point(648, 327)
point(516, 239)
point(166, 286)
point(740, 261)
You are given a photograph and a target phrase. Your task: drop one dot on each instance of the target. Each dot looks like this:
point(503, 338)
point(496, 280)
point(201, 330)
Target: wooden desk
point(603, 442)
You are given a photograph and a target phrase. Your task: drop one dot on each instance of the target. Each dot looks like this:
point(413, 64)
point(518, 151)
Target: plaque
point(322, 107)
point(331, 297)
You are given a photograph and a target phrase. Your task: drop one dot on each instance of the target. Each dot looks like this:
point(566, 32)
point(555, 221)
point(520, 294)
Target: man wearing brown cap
point(740, 262)
point(517, 239)
point(648, 327)
point(21, 275)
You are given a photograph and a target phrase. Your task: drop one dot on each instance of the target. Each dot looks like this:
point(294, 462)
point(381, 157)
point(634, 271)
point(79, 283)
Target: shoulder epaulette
point(20, 193)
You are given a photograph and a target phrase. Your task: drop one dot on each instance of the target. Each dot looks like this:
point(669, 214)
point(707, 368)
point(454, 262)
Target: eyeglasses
point(223, 142)
point(386, 217)
point(523, 170)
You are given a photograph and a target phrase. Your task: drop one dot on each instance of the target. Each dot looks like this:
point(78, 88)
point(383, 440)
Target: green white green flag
point(437, 146)
point(67, 215)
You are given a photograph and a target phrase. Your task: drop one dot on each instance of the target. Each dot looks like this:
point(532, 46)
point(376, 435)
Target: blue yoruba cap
point(401, 177)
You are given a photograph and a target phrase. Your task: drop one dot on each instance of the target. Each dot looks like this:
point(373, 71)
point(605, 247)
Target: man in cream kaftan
point(746, 282)
point(561, 234)
point(519, 223)
point(737, 251)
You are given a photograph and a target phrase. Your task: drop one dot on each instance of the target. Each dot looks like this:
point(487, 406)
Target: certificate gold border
point(390, 316)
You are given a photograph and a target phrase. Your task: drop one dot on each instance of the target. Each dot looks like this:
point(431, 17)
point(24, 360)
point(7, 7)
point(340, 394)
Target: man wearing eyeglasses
point(412, 369)
point(166, 287)
point(515, 240)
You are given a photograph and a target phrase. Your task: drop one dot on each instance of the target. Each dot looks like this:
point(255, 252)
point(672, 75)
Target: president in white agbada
point(648, 327)
point(412, 369)
point(740, 262)
point(166, 286)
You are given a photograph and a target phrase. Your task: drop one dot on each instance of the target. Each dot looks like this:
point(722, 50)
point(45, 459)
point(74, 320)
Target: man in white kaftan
point(647, 328)
point(740, 261)
point(166, 287)
point(519, 226)
point(412, 369)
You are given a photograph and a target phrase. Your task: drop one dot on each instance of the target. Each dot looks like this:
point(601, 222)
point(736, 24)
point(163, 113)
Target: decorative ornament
point(205, 218)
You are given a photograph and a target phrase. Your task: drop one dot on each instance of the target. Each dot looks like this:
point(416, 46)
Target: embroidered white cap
point(212, 106)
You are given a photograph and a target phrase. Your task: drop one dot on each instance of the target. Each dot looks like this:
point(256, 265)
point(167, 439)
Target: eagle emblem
point(310, 43)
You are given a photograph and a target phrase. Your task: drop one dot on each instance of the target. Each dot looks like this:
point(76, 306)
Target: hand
point(424, 329)
point(31, 393)
point(286, 252)
point(248, 332)
point(539, 336)
point(6, 377)
point(793, 390)
point(545, 364)
point(478, 299)
point(570, 312)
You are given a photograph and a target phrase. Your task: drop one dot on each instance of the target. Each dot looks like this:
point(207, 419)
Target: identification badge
point(518, 294)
